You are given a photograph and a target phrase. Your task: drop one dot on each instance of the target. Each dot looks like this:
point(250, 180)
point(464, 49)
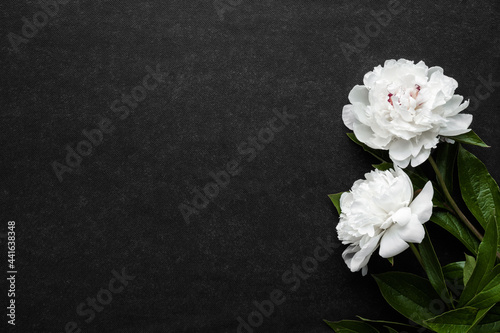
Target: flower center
point(404, 97)
point(390, 99)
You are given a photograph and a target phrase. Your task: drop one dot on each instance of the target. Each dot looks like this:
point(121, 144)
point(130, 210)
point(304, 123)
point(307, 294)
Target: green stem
point(452, 202)
point(417, 254)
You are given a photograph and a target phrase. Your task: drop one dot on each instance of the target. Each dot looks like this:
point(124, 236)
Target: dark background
point(120, 208)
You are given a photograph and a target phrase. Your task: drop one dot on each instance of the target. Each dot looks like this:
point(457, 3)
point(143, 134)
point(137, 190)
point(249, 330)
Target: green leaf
point(409, 294)
point(351, 326)
point(470, 263)
point(490, 294)
point(454, 275)
point(450, 223)
point(390, 330)
point(490, 322)
point(454, 321)
point(467, 320)
point(383, 166)
point(479, 190)
point(479, 316)
point(335, 198)
point(484, 264)
point(381, 155)
point(433, 267)
point(393, 323)
point(391, 260)
point(380, 324)
point(445, 160)
point(470, 138)
point(454, 271)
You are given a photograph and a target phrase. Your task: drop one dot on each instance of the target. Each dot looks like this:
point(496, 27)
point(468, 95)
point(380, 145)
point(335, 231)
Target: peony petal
point(391, 243)
point(434, 69)
point(456, 125)
point(363, 133)
point(348, 116)
point(429, 139)
point(402, 216)
point(413, 232)
point(400, 149)
point(361, 258)
point(349, 253)
point(407, 194)
point(453, 106)
point(421, 206)
point(346, 200)
point(381, 141)
point(371, 77)
point(460, 108)
point(359, 94)
point(417, 146)
point(421, 157)
point(401, 163)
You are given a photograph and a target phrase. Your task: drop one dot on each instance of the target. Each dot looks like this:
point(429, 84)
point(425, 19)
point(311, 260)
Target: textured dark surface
point(120, 208)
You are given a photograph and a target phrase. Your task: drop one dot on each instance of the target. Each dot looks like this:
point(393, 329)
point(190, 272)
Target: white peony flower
point(404, 108)
point(381, 211)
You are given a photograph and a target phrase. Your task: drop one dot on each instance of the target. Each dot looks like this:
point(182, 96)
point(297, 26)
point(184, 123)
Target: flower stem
point(452, 202)
point(417, 254)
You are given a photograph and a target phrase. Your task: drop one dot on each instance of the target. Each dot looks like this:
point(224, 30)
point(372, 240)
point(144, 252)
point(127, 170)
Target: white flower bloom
point(404, 108)
point(380, 210)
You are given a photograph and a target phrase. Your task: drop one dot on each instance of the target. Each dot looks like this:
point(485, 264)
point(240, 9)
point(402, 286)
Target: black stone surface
point(224, 75)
